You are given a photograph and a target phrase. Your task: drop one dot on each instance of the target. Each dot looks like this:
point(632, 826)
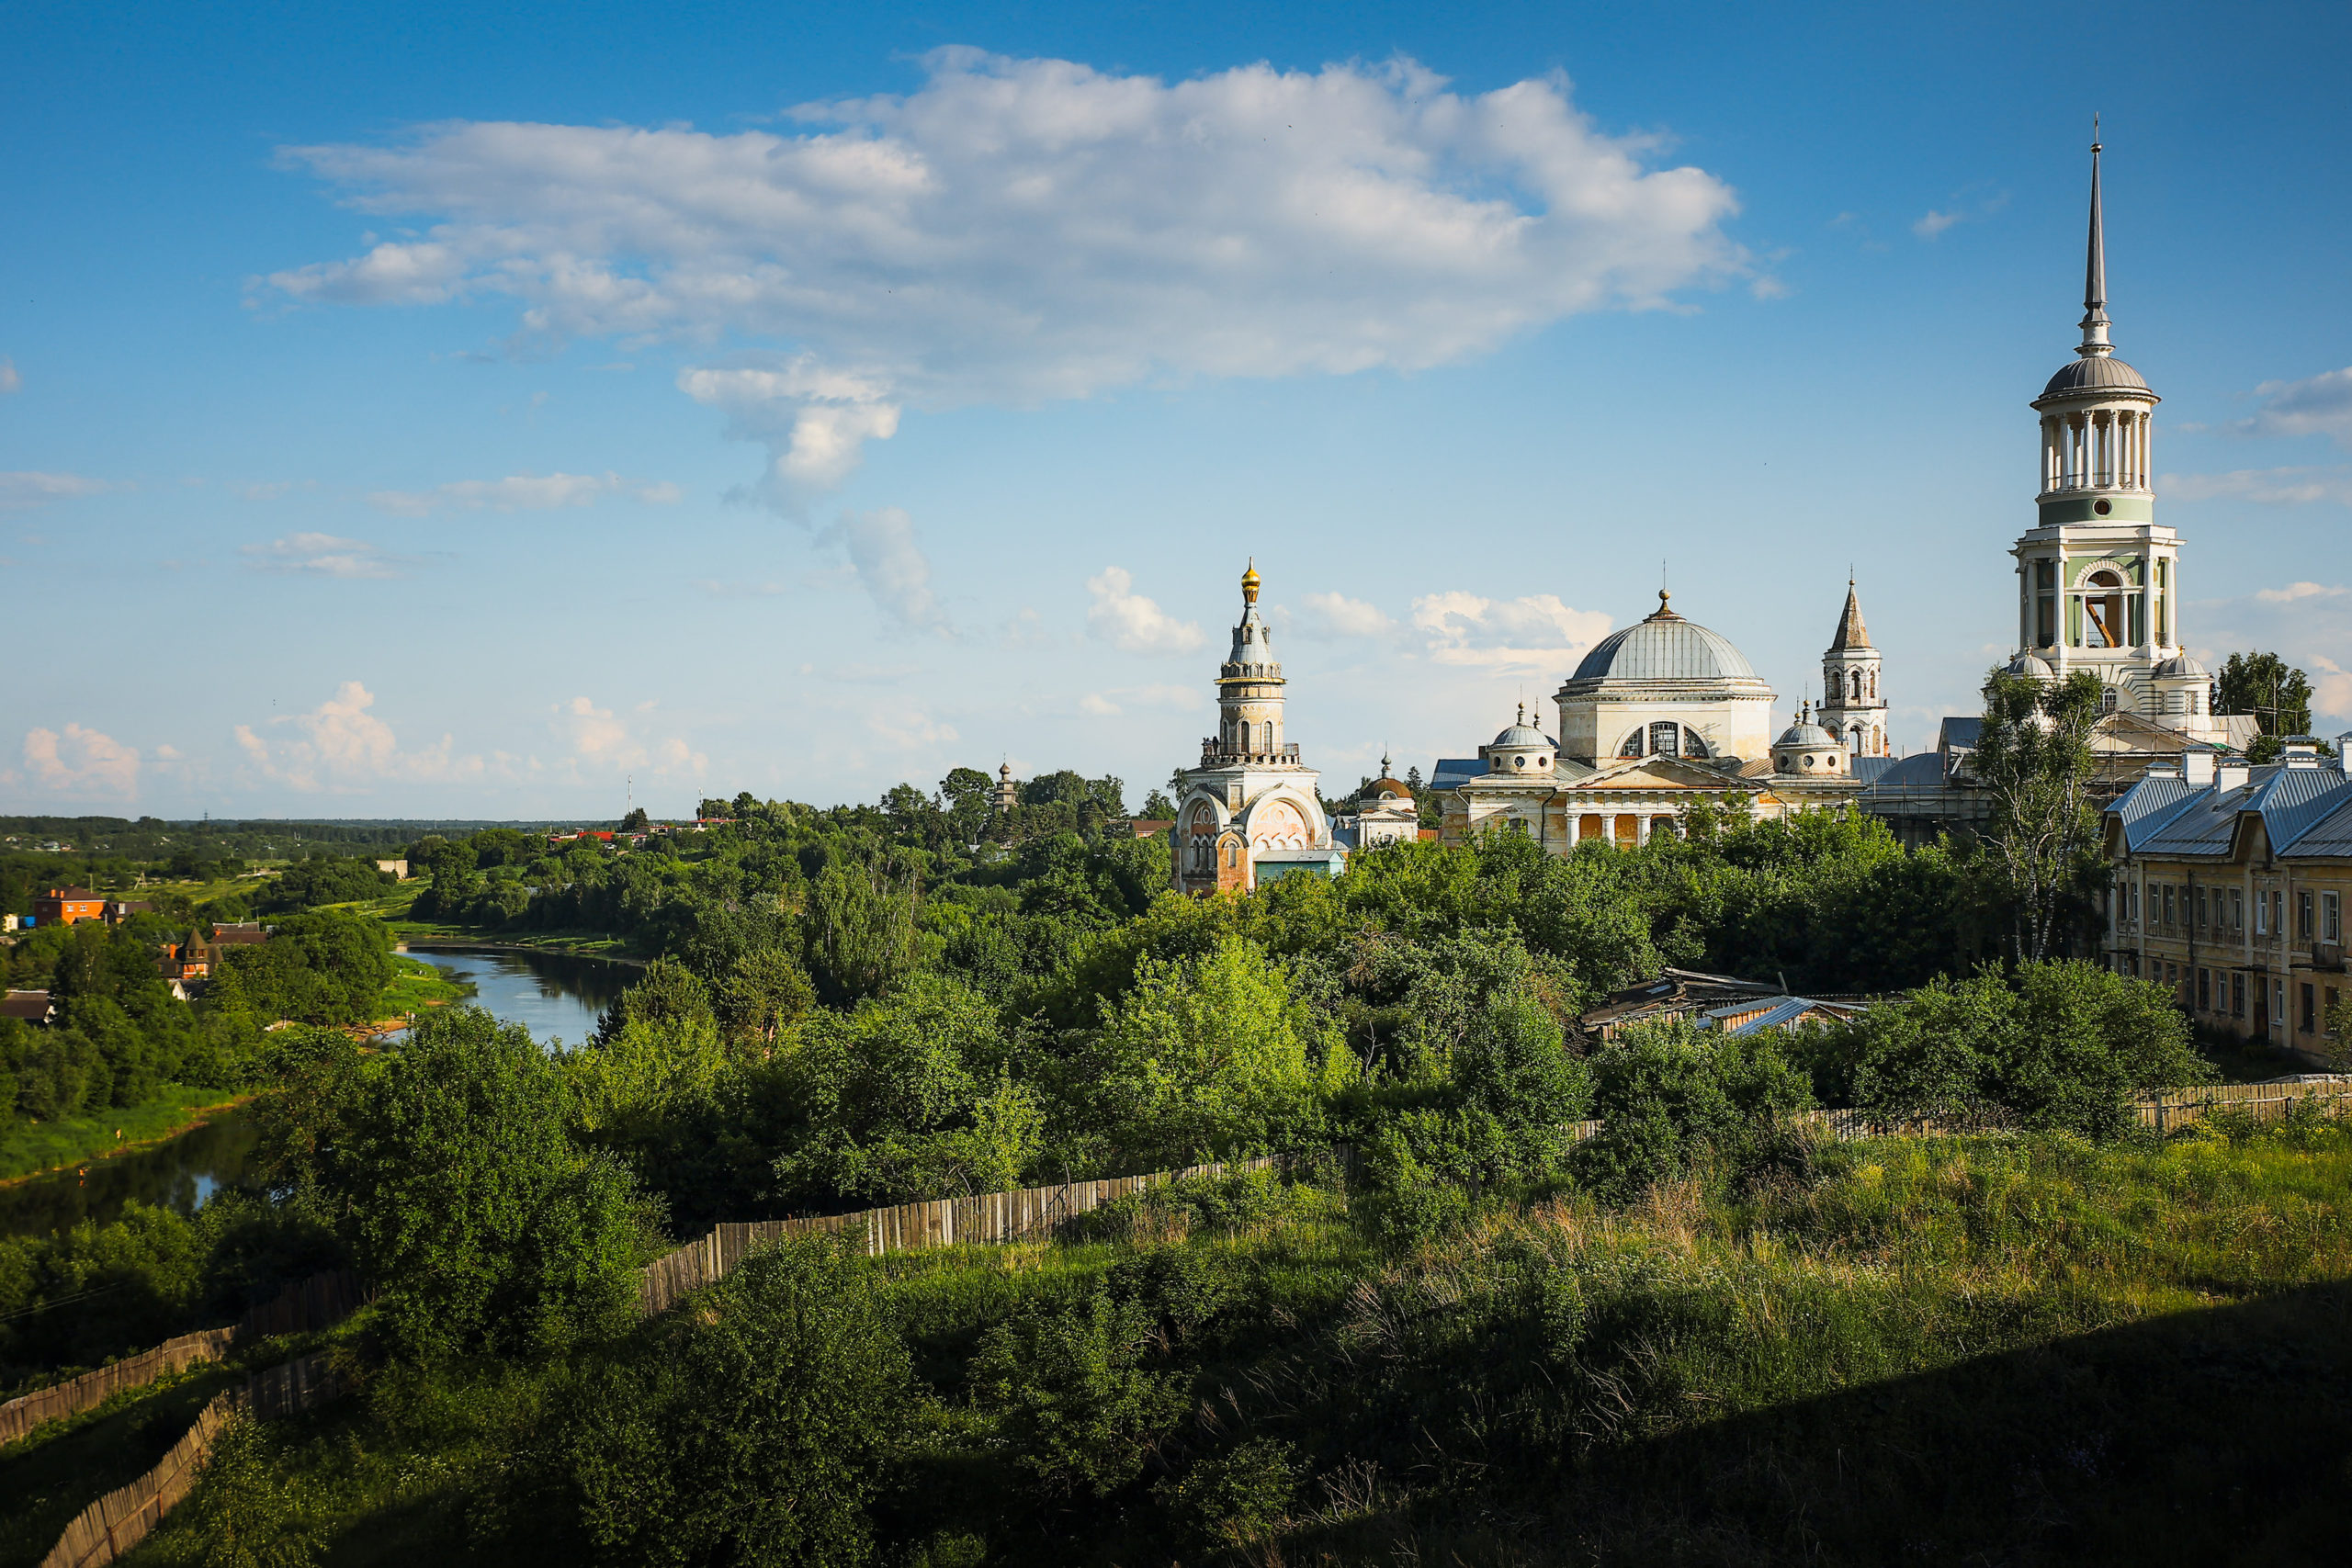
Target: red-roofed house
point(64, 906)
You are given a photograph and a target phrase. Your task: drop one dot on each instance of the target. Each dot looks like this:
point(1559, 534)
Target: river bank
point(47, 1148)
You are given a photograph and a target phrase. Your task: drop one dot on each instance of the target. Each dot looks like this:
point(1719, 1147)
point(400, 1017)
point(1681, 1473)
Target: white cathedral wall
point(1732, 727)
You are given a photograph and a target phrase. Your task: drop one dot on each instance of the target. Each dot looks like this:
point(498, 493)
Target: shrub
point(1236, 1499)
point(1664, 1091)
point(1072, 1396)
point(756, 1429)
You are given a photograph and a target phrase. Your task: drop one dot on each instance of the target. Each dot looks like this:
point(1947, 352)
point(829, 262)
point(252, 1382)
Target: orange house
point(63, 905)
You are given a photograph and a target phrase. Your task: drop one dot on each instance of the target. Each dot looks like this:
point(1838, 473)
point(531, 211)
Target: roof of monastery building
point(1664, 646)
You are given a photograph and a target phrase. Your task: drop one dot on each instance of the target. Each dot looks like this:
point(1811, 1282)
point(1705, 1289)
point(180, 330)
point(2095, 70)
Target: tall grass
point(1966, 1350)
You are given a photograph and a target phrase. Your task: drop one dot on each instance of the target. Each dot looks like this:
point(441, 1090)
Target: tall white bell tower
point(2099, 578)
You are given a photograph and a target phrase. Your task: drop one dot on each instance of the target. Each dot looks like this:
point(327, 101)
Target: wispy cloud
point(599, 740)
point(1536, 633)
point(1116, 700)
point(1933, 223)
point(521, 492)
point(891, 567)
point(2295, 592)
point(325, 555)
point(1021, 230)
point(9, 380)
point(1335, 615)
point(2272, 486)
point(2316, 405)
point(1132, 623)
point(19, 491)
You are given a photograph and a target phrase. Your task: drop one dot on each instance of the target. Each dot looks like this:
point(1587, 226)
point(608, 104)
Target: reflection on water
point(179, 1173)
point(555, 995)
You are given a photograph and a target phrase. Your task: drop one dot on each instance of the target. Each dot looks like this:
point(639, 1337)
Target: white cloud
point(2297, 591)
point(2331, 687)
point(2316, 405)
point(1536, 634)
point(815, 422)
point(891, 565)
point(2275, 487)
point(1335, 615)
point(1129, 621)
point(1119, 699)
point(1022, 229)
point(341, 746)
point(23, 489)
point(1932, 225)
point(521, 492)
point(602, 742)
point(82, 761)
point(324, 555)
point(9, 380)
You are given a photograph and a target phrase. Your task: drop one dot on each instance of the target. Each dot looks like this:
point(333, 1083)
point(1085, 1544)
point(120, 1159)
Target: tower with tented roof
point(1852, 708)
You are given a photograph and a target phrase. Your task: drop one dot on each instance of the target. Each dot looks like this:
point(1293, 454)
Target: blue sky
point(461, 409)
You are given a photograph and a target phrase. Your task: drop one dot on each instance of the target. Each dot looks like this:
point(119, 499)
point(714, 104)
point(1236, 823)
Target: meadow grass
point(1996, 1350)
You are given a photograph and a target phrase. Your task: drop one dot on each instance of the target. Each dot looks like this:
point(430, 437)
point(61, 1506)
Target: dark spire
point(2095, 322)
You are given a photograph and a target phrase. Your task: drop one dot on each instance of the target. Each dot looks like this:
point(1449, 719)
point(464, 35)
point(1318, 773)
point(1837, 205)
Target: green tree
point(2068, 1045)
point(448, 1171)
point(757, 1430)
point(860, 933)
point(2034, 758)
point(1072, 1396)
point(1210, 1056)
point(2276, 693)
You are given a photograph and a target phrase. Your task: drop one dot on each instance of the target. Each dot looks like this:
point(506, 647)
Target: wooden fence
point(108, 1528)
point(2179, 1108)
point(319, 1302)
point(1032, 1213)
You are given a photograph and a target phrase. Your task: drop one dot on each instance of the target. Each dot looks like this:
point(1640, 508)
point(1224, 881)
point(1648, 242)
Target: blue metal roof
point(2331, 835)
point(1451, 770)
point(1963, 730)
point(1868, 769)
point(2164, 815)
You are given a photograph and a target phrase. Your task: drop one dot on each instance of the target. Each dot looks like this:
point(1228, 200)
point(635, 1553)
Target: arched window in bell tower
point(2103, 609)
point(1245, 737)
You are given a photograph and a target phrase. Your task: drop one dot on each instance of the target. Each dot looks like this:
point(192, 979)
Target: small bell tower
point(1851, 707)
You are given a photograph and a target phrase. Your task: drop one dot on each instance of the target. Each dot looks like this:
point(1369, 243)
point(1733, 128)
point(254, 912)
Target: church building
point(1251, 812)
point(1658, 717)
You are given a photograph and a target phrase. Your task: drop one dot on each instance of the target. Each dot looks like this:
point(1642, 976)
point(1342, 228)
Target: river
point(555, 995)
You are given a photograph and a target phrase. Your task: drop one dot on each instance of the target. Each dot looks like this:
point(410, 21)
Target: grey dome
point(2032, 664)
point(1805, 736)
point(2182, 665)
point(1522, 735)
point(1664, 647)
point(2096, 373)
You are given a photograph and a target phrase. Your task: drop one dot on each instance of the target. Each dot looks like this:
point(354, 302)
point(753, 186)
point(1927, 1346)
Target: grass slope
point(1972, 1350)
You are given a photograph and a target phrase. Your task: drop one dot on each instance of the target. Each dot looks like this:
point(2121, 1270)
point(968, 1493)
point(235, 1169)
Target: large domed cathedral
point(1658, 716)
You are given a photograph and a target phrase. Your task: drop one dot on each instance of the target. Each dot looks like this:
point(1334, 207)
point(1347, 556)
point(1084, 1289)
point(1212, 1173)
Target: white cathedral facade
point(1666, 712)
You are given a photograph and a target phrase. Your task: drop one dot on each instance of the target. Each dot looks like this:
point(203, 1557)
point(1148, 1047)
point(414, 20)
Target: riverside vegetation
point(1698, 1333)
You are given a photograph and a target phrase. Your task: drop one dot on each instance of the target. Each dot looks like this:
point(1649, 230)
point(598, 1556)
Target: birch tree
point(2034, 759)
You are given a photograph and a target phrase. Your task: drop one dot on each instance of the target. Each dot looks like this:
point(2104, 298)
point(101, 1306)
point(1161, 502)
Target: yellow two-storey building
point(2231, 886)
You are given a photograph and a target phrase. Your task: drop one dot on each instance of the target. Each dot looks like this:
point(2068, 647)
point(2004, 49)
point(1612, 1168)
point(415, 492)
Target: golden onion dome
point(1250, 582)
